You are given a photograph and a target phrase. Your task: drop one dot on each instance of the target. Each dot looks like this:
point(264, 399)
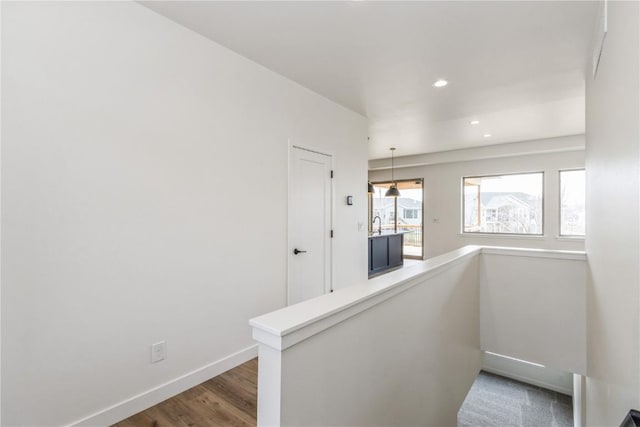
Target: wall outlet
point(158, 351)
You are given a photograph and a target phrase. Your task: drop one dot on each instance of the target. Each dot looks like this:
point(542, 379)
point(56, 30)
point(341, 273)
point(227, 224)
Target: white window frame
point(495, 234)
point(560, 235)
point(414, 213)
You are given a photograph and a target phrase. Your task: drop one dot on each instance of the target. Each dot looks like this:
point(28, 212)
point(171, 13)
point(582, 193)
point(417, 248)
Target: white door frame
point(329, 267)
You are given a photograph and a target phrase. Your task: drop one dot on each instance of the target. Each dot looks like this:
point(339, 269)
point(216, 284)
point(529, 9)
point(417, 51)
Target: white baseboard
point(546, 377)
point(144, 400)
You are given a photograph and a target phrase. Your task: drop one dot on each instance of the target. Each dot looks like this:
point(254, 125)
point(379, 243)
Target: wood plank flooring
point(230, 399)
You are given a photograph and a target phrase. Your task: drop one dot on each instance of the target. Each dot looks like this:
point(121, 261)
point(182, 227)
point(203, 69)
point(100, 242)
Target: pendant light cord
point(393, 188)
point(393, 182)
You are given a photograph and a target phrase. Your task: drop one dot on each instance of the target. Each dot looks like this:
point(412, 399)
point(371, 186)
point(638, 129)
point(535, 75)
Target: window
point(572, 201)
point(402, 214)
point(503, 204)
point(411, 213)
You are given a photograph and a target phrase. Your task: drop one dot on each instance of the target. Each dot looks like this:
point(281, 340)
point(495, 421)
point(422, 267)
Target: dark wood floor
point(229, 399)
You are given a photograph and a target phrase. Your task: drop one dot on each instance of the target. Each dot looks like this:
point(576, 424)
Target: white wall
point(613, 235)
point(533, 307)
point(415, 360)
point(442, 198)
point(127, 140)
point(402, 349)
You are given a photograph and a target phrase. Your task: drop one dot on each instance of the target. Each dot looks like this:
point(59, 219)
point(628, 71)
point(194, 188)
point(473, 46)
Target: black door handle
point(297, 251)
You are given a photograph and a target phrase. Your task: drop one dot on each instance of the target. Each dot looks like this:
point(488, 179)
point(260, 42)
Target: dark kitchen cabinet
point(385, 252)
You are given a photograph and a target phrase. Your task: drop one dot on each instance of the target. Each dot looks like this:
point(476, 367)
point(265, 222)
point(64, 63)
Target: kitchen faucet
point(379, 224)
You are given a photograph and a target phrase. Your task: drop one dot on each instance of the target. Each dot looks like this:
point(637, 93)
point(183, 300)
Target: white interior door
point(309, 225)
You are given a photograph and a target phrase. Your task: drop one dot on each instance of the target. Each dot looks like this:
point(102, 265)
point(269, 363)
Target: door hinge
point(331, 174)
point(332, 234)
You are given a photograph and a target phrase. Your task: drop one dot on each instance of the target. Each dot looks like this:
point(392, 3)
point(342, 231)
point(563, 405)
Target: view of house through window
point(503, 204)
point(572, 203)
point(402, 214)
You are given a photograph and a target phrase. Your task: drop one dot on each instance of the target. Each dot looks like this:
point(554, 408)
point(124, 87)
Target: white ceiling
point(518, 67)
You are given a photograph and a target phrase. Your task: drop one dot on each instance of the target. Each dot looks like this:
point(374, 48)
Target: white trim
point(312, 149)
point(528, 372)
point(332, 215)
point(503, 236)
point(516, 360)
point(535, 253)
point(0, 217)
point(561, 237)
point(570, 238)
point(157, 394)
point(529, 380)
point(600, 35)
point(579, 400)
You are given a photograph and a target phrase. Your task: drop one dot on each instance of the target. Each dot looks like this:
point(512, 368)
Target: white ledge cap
point(536, 253)
point(283, 328)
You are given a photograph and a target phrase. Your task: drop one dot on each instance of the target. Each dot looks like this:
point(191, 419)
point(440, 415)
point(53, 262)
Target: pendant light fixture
point(393, 190)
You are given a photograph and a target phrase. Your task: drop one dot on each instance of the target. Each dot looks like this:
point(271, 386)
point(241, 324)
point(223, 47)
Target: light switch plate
point(158, 351)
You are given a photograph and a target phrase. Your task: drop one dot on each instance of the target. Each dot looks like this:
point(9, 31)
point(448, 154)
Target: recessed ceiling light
point(487, 135)
point(474, 122)
point(440, 83)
